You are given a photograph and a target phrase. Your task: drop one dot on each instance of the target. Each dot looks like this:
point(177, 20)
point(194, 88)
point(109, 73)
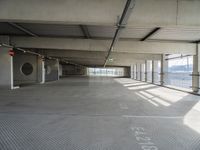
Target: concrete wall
point(52, 70)
point(127, 72)
point(41, 70)
point(5, 66)
point(19, 77)
point(60, 70)
point(109, 71)
point(73, 70)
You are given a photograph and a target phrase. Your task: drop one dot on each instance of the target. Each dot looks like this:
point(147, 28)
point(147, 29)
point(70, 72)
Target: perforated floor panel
point(98, 114)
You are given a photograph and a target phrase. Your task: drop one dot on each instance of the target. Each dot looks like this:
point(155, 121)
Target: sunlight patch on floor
point(126, 81)
point(156, 95)
point(150, 101)
point(135, 84)
point(154, 98)
point(192, 118)
point(143, 87)
point(167, 94)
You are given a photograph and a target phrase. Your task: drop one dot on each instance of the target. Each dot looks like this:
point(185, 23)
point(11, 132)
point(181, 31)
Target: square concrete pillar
point(156, 72)
point(195, 73)
point(41, 70)
point(135, 68)
point(152, 71)
point(141, 72)
point(6, 65)
point(149, 71)
point(145, 73)
point(132, 71)
point(51, 70)
point(57, 64)
point(135, 72)
point(138, 71)
point(143, 68)
point(163, 70)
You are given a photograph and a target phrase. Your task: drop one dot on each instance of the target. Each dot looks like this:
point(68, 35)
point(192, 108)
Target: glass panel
point(179, 71)
point(113, 72)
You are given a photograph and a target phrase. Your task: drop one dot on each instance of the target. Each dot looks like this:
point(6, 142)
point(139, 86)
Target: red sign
point(11, 53)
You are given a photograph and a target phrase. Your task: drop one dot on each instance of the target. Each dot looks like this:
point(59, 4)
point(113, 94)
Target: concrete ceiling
point(178, 34)
point(102, 32)
point(89, 25)
point(162, 13)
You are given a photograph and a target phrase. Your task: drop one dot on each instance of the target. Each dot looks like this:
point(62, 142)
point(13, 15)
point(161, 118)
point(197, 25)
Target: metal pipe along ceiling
point(130, 4)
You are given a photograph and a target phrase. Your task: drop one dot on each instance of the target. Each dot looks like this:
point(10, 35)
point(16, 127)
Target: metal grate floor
point(82, 114)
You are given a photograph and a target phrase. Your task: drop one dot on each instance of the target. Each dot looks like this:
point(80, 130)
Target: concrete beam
point(154, 31)
point(146, 12)
point(74, 54)
point(88, 62)
point(85, 31)
point(21, 28)
point(4, 39)
point(125, 46)
point(97, 58)
point(98, 55)
point(128, 56)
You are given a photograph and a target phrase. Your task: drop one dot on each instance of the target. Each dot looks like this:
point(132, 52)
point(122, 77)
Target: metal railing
point(157, 78)
point(149, 76)
point(183, 79)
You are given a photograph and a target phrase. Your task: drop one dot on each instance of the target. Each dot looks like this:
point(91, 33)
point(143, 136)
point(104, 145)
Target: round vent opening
point(27, 69)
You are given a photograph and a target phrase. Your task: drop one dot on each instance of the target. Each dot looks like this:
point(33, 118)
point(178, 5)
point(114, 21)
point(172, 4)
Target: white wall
point(21, 58)
point(5, 68)
point(73, 70)
point(52, 69)
point(60, 70)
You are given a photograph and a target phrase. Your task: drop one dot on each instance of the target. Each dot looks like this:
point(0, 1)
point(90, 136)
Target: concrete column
point(164, 70)
point(195, 73)
point(153, 66)
point(6, 65)
point(140, 72)
point(51, 69)
point(132, 71)
point(156, 71)
point(136, 74)
point(60, 70)
point(145, 71)
point(57, 60)
point(43, 72)
point(11, 73)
